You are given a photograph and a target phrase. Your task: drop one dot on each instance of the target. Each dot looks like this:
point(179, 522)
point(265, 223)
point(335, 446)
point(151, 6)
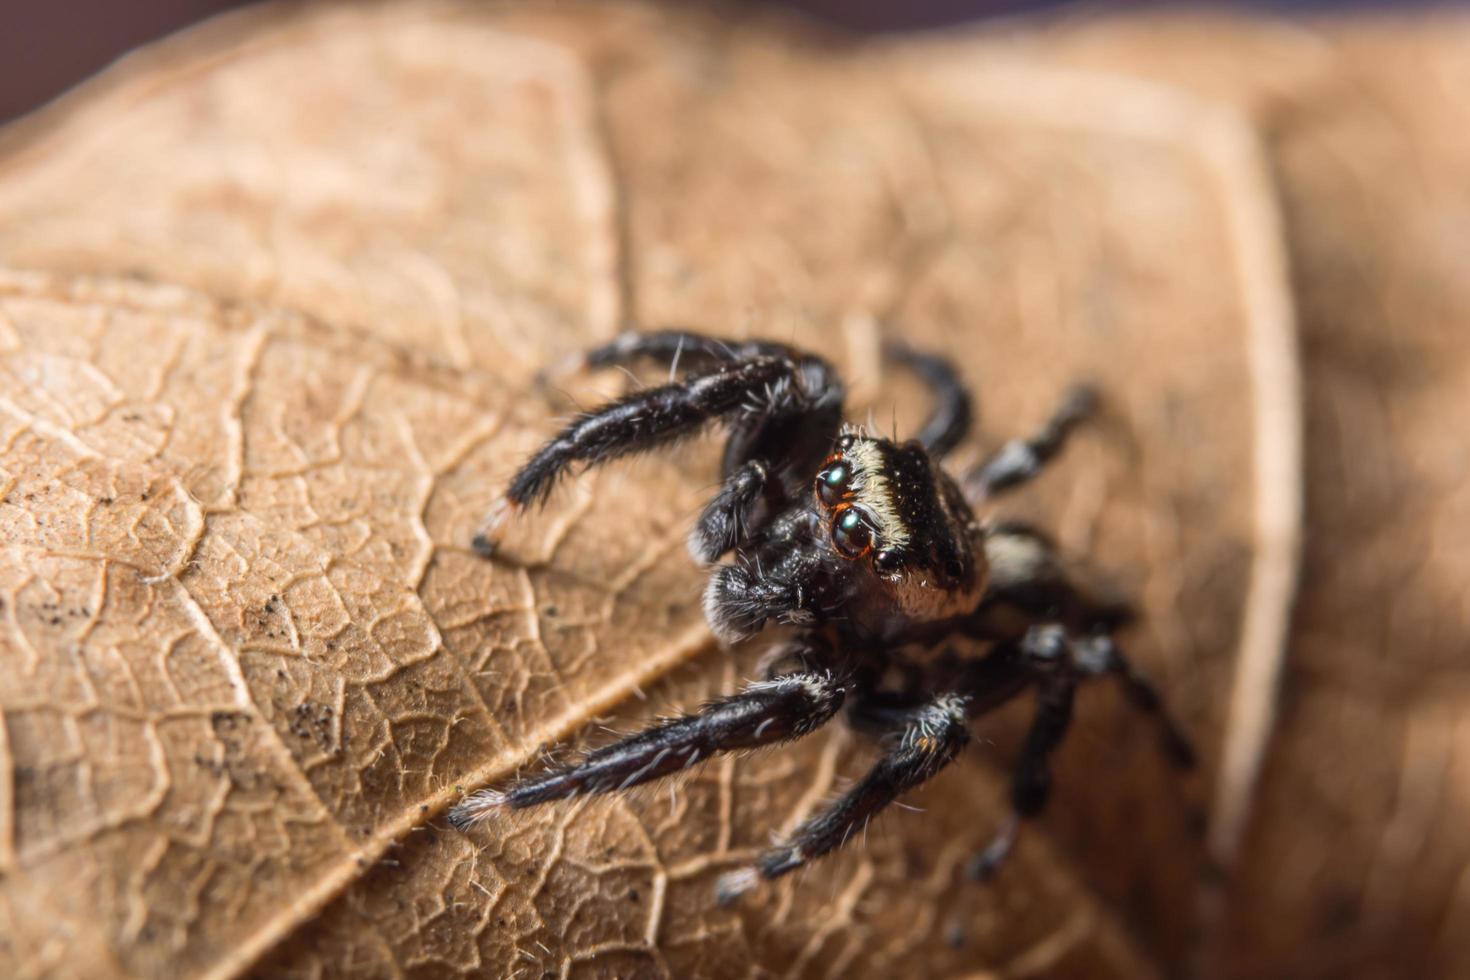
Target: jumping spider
point(908, 609)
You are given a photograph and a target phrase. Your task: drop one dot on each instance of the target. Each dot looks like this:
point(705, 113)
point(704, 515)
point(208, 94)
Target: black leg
point(949, 422)
point(783, 408)
point(1100, 655)
point(642, 421)
point(1031, 783)
point(764, 713)
point(1021, 459)
point(1057, 662)
point(681, 349)
point(934, 737)
point(726, 521)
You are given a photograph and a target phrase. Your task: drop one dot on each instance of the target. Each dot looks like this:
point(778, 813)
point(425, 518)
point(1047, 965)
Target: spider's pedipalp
point(726, 520)
point(740, 599)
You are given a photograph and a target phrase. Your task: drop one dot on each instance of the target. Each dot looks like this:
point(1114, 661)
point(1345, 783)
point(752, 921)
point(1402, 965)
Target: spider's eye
point(887, 561)
point(832, 483)
point(954, 568)
point(852, 537)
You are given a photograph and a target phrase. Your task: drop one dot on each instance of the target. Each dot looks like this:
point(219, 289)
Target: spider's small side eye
point(954, 569)
point(851, 534)
point(832, 483)
point(887, 561)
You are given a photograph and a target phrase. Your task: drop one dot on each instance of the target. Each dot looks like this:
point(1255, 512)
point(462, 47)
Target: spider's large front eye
point(851, 535)
point(832, 483)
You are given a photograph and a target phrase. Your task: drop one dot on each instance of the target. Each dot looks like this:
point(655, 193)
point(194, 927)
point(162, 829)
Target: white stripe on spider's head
point(873, 492)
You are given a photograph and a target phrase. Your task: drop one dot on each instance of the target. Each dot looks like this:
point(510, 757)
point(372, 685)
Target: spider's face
point(900, 523)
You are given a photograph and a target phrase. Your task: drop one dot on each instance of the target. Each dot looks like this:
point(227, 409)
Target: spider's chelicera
point(906, 609)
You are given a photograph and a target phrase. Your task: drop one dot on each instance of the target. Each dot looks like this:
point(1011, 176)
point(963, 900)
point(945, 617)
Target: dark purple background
point(46, 46)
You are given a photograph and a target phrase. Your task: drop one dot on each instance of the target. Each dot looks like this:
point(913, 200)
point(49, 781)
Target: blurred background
point(45, 48)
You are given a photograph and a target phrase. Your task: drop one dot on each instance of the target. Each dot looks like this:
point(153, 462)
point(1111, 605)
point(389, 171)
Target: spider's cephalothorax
point(883, 544)
point(907, 610)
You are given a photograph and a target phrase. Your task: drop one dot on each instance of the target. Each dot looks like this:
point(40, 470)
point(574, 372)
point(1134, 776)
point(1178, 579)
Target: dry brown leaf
point(275, 294)
point(1357, 862)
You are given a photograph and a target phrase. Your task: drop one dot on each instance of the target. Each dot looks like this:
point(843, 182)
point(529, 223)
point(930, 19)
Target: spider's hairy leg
point(949, 422)
point(1021, 459)
point(935, 734)
point(820, 389)
point(679, 349)
point(785, 426)
point(1100, 655)
point(764, 713)
point(726, 519)
point(1031, 782)
point(636, 423)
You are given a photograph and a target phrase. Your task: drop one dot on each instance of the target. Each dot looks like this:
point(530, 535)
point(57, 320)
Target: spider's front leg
point(935, 734)
point(636, 423)
point(783, 407)
point(764, 713)
point(681, 349)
